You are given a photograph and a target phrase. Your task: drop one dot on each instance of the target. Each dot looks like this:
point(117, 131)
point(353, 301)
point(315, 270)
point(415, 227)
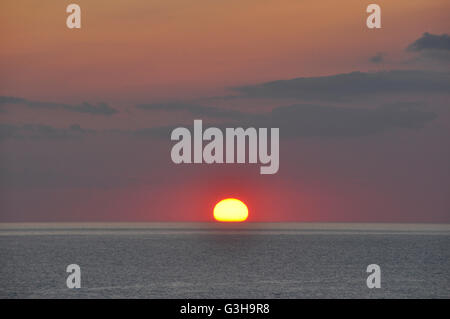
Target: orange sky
point(132, 50)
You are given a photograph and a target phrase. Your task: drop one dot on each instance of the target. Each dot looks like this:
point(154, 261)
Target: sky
point(86, 114)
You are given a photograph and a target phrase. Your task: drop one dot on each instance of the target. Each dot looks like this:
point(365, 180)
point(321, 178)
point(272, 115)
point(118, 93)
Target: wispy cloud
point(194, 109)
point(300, 120)
point(307, 120)
point(41, 131)
point(85, 107)
point(351, 85)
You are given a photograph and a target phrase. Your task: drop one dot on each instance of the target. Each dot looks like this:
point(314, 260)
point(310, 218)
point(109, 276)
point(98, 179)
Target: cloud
point(432, 48)
point(298, 120)
point(430, 41)
point(377, 58)
point(159, 132)
point(194, 109)
point(326, 121)
point(94, 109)
point(351, 85)
point(40, 131)
point(308, 120)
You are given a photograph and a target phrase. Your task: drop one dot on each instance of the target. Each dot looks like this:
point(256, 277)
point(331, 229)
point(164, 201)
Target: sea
point(224, 260)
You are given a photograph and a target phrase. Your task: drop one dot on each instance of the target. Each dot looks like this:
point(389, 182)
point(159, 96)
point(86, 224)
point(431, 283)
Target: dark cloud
point(326, 121)
point(377, 58)
point(194, 109)
point(299, 120)
point(349, 85)
point(430, 41)
point(40, 131)
point(306, 120)
point(94, 109)
point(432, 48)
point(160, 131)
point(11, 100)
point(97, 109)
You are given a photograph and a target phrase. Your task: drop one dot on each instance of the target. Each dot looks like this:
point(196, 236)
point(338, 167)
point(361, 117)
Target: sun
point(230, 210)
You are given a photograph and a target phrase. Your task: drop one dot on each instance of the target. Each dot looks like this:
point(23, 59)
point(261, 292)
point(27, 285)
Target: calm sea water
point(210, 261)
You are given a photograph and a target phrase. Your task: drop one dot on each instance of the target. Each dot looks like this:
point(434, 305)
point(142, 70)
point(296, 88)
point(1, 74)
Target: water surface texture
point(202, 260)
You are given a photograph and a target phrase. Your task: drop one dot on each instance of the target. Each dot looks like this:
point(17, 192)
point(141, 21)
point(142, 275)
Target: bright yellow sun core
point(230, 210)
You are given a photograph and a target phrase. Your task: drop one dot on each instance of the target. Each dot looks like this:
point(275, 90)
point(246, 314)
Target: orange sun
point(230, 210)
